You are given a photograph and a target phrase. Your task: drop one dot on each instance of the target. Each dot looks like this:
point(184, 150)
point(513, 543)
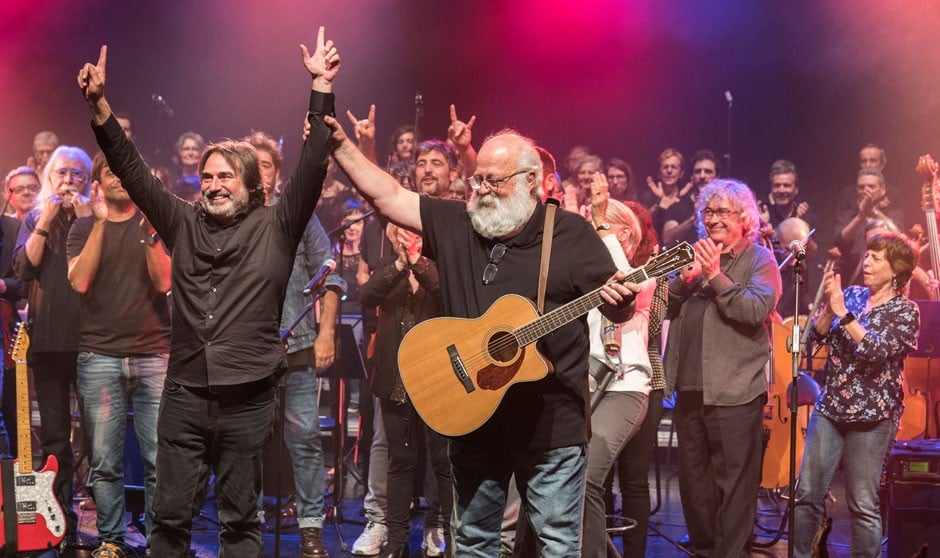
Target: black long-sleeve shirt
point(228, 281)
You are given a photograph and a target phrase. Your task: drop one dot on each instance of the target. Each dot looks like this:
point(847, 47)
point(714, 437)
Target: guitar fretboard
point(665, 263)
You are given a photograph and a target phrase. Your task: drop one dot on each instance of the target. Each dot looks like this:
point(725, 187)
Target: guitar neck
point(24, 451)
point(540, 327)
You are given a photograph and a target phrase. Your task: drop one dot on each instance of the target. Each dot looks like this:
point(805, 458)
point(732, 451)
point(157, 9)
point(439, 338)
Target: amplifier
point(912, 482)
point(914, 460)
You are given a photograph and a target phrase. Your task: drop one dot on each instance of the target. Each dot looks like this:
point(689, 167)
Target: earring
point(894, 282)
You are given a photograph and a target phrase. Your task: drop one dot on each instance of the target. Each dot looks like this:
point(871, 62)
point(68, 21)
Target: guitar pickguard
point(36, 506)
point(495, 376)
point(505, 358)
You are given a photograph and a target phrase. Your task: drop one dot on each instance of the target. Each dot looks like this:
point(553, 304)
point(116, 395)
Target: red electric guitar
point(40, 522)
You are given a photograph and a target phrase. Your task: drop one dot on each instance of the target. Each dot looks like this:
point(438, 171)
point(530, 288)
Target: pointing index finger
point(372, 114)
point(103, 56)
point(320, 33)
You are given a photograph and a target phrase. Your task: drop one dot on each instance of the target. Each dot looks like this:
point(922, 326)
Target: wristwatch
point(151, 240)
point(603, 227)
point(847, 319)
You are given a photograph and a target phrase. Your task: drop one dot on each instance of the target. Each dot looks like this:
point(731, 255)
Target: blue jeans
point(862, 447)
point(376, 498)
point(224, 430)
point(302, 438)
point(551, 485)
point(110, 387)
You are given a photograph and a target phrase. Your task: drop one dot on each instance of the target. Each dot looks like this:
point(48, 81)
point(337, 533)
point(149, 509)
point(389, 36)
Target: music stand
point(347, 366)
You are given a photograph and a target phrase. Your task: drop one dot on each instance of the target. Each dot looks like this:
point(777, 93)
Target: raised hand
point(801, 209)
point(832, 291)
point(600, 198)
point(337, 134)
point(81, 205)
point(459, 133)
point(410, 245)
point(91, 78)
point(96, 203)
point(655, 187)
point(365, 128)
point(708, 253)
point(324, 62)
point(866, 204)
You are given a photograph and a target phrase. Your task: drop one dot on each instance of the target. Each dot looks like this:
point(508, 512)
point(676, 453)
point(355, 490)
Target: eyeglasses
point(225, 179)
point(721, 212)
point(477, 182)
point(496, 256)
point(34, 188)
point(77, 174)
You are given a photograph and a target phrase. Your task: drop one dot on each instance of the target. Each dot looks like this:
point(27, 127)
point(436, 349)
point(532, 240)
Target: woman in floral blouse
point(870, 329)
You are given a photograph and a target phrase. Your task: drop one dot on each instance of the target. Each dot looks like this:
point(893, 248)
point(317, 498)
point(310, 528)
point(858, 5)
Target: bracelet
point(41, 232)
point(846, 319)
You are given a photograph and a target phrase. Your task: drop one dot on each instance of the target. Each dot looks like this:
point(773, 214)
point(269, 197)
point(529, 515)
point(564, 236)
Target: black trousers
point(54, 373)
point(403, 430)
point(719, 472)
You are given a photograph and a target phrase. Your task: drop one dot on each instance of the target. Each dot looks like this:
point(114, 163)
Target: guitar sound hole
point(502, 347)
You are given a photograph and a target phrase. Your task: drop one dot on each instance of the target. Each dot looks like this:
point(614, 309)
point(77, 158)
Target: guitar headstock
point(20, 343)
point(927, 168)
point(670, 260)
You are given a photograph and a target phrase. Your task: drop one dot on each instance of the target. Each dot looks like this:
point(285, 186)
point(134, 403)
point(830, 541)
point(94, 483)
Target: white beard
point(493, 217)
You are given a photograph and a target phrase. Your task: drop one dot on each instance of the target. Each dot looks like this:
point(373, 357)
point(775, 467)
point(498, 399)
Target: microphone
point(162, 106)
point(328, 267)
point(798, 249)
point(729, 98)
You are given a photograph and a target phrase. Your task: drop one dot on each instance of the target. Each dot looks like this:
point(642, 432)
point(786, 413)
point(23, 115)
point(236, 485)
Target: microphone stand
point(281, 389)
point(795, 351)
point(419, 112)
point(728, 154)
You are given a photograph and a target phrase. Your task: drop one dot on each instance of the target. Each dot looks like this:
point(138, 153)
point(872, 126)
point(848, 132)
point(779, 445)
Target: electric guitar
point(40, 522)
point(457, 370)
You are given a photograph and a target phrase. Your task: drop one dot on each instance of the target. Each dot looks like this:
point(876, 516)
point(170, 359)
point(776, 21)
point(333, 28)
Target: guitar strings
point(658, 266)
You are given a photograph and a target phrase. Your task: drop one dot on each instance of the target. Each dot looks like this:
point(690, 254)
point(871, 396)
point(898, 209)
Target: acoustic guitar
point(40, 522)
point(456, 371)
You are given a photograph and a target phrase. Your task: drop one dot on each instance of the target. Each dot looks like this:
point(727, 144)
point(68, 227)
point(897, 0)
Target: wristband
point(846, 319)
point(41, 232)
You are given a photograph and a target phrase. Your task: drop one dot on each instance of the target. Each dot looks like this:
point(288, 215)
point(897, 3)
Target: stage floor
point(667, 524)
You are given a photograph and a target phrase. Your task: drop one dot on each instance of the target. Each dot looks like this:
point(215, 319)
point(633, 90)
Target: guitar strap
point(7, 480)
point(547, 232)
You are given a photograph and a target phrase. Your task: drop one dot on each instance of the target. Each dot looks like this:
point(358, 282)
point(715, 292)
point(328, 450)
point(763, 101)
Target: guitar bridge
point(459, 369)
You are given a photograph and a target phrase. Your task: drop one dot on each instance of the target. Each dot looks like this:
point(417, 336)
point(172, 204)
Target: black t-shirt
point(549, 413)
point(122, 314)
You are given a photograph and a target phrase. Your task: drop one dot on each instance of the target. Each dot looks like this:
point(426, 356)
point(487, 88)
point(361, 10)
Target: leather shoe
point(311, 543)
point(395, 551)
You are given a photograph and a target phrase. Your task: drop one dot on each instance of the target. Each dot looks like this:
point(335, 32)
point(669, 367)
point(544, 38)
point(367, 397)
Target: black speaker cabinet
point(912, 477)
